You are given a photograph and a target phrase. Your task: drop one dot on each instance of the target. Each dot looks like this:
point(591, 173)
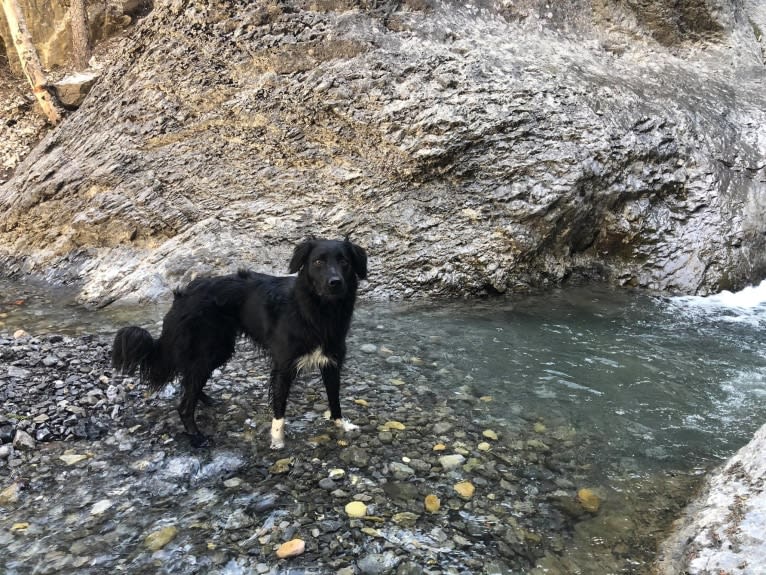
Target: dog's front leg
point(281, 380)
point(331, 379)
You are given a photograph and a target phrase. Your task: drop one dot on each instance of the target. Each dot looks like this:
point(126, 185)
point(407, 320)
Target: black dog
point(301, 321)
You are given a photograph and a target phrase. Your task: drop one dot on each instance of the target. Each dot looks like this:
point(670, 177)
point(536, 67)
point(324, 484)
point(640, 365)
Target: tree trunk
point(80, 37)
point(30, 63)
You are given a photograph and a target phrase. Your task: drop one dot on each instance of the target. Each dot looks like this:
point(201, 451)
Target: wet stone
point(355, 457)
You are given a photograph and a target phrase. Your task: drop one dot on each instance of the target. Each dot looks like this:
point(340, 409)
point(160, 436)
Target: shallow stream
point(645, 393)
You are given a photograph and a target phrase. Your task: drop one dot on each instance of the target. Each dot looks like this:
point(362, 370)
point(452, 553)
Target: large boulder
point(473, 148)
point(724, 530)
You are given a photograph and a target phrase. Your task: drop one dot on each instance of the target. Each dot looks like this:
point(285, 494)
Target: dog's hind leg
point(207, 400)
point(331, 379)
point(281, 380)
point(192, 387)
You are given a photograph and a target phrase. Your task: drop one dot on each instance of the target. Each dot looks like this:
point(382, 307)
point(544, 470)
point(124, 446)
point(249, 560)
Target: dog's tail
point(134, 347)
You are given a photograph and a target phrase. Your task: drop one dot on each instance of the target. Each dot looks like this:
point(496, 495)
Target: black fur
point(289, 317)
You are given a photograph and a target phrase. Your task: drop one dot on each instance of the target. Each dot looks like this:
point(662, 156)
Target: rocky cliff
point(473, 148)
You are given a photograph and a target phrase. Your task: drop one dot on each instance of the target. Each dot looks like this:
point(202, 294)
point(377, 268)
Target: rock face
point(724, 531)
point(472, 149)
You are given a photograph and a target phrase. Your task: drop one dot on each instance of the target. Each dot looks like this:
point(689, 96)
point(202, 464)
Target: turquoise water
point(669, 380)
point(678, 381)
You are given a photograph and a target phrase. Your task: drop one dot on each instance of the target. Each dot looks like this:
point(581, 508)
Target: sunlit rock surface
point(724, 531)
point(473, 148)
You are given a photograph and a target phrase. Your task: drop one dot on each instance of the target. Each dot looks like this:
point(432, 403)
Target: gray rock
point(73, 89)
point(722, 531)
point(18, 372)
point(238, 520)
point(377, 563)
point(452, 461)
point(327, 483)
point(650, 176)
point(23, 441)
point(409, 568)
point(442, 427)
point(355, 456)
point(401, 470)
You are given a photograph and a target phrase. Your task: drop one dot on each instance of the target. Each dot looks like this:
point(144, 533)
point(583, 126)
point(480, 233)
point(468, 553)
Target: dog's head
point(331, 266)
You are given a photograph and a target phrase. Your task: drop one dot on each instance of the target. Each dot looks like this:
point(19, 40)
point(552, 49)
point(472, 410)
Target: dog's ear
point(300, 255)
point(358, 259)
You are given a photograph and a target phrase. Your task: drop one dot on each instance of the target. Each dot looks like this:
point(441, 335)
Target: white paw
point(277, 433)
point(277, 443)
point(345, 425)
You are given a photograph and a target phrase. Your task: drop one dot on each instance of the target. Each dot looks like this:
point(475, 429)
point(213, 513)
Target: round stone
point(465, 489)
point(356, 509)
point(291, 548)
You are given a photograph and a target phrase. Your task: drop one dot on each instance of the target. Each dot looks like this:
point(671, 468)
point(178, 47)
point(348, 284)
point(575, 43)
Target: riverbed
point(583, 419)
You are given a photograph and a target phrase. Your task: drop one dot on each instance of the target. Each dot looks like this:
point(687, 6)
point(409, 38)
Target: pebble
point(238, 519)
point(158, 539)
point(232, 482)
point(282, 466)
point(377, 563)
point(589, 500)
point(100, 506)
point(291, 548)
point(442, 427)
point(23, 441)
point(10, 494)
point(368, 348)
point(432, 503)
point(336, 473)
point(405, 518)
point(489, 434)
point(72, 458)
point(327, 483)
point(453, 461)
point(394, 425)
point(465, 489)
point(356, 509)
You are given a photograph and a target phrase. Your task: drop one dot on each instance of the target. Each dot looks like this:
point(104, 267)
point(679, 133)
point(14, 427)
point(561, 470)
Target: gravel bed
point(100, 477)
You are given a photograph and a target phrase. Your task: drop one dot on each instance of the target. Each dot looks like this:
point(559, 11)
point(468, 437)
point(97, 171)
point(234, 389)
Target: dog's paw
point(277, 433)
point(198, 440)
point(277, 443)
point(345, 425)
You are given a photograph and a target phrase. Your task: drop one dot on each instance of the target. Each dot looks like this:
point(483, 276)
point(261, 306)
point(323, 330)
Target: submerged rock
point(589, 500)
point(158, 539)
point(356, 509)
point(291, 548)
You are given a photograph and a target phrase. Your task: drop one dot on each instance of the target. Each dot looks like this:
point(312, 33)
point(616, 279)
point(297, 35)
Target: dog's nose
point(334, 282)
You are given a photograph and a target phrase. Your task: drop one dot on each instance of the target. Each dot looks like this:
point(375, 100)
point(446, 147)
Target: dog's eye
point(343, 262)
point(318, 262)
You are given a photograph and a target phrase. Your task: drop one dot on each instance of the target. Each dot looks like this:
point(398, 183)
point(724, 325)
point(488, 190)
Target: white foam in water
point(748, 298)
point(746, 306)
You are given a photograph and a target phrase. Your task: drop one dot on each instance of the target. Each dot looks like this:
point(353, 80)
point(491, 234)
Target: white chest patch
point(314, 360)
